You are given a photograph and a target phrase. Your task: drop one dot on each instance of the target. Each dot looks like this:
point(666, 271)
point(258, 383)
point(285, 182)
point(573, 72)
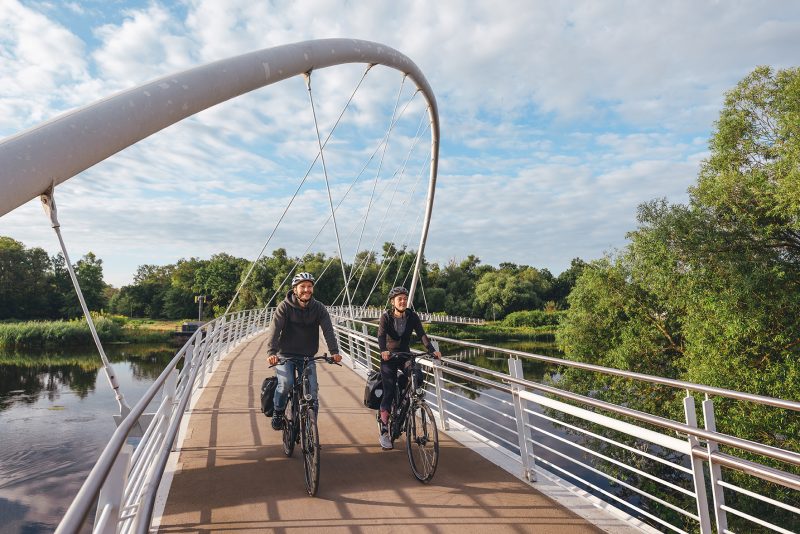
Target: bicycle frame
point(301, 426)
point(411, 414)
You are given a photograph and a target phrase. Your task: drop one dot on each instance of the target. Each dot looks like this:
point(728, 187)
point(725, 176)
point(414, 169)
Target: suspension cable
point(49, 205)
point(375, 182)
point(400, 173)
point(341, 201)
point(364, 167)
point(327, 184)
point(303, 181)
point(385, 265)
point(386, 213)
point(424, 298)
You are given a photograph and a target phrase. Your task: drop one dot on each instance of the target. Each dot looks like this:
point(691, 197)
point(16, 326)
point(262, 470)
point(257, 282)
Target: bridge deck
point(232, 474)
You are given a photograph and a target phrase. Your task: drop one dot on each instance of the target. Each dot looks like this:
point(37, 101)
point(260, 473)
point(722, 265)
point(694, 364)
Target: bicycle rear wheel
point(290, 427)
point(422, 441)
point(310, 442)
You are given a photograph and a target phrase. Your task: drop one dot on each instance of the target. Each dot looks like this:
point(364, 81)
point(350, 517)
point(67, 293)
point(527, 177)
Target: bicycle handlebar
point(328, 359)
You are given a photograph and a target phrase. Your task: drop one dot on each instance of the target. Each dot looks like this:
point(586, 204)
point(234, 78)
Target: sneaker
point(277, 421)
point(386, 442)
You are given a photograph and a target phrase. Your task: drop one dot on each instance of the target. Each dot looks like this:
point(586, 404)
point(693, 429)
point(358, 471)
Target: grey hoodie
point(295, 330)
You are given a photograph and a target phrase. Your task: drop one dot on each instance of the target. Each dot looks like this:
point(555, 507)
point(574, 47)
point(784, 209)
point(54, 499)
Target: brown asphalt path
point(232, 475)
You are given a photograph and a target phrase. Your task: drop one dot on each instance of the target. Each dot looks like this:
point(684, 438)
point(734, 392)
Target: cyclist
point(394, 335)
point(294, 331)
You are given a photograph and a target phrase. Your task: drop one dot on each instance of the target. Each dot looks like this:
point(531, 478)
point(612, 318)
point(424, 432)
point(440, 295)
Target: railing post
point(717, 491)
point(111, 497)
point(367, 358)
point(697, 467)
point(438, 382)
point(524, 433)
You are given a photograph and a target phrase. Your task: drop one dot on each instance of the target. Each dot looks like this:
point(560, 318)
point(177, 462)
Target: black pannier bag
point(373, 391)
point(268, 395)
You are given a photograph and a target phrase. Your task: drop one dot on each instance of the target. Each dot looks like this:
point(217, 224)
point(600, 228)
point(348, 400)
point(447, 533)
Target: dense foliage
point(709, 291)
point(35, 286)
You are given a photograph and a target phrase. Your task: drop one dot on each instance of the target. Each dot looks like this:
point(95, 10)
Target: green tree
point(219, 279)
point(25, 281)
point(707, 291)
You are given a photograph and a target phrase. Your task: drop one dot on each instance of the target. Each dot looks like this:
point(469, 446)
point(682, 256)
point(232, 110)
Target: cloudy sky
point(558, 119)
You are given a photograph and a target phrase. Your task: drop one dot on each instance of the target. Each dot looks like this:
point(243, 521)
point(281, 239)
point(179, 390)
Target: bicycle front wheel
point(310, 442)
point(290, 427)
point(422, 442)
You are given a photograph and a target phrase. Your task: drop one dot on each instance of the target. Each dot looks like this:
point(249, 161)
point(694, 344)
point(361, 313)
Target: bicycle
point(300, 419)
point(411, 414)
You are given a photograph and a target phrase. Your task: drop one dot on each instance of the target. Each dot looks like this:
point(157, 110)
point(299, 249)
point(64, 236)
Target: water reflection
point(55, 418)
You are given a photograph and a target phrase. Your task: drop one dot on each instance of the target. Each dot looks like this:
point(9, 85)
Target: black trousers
point(390, 375)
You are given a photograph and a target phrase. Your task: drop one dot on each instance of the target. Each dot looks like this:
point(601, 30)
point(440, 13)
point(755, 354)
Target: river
point(55, 418)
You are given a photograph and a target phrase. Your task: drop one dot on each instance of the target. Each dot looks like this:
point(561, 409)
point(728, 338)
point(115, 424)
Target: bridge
point(521, 451)
point(225, 471)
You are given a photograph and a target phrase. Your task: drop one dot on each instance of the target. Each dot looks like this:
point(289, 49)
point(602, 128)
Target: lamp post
point(200, 299)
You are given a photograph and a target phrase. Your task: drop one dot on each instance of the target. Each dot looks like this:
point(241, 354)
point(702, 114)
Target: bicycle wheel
point(310, 443)
point(422, 441)
point(290, 427)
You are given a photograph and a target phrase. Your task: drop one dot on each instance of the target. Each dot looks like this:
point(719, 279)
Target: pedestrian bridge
point(194, 454)
point(517, 454)
point(229, 472)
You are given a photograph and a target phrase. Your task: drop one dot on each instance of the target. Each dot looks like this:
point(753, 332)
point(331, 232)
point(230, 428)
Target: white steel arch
point(57, 150)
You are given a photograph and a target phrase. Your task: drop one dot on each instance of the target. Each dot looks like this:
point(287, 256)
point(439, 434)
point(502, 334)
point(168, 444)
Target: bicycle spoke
point(311, 456)
point(422, 442)
point(289, 427)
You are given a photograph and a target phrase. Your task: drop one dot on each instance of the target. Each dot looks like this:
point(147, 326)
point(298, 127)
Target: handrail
point(209, 341)
point(679, 384)
point(87, 495)
point(669, 424)
point(697, 446)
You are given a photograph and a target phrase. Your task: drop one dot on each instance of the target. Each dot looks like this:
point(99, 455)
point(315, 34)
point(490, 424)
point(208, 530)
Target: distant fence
point(373, 312)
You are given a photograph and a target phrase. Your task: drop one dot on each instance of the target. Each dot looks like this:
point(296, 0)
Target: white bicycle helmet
point(302, 277)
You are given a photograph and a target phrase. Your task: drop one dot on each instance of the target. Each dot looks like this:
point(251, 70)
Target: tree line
point(36, 286)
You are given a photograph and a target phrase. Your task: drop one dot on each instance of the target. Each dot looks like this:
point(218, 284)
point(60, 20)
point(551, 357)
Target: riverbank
point(76, 333)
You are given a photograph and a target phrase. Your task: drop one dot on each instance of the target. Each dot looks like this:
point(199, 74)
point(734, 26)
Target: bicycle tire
point(422, 441)
point(309, 433)
point(290, 427)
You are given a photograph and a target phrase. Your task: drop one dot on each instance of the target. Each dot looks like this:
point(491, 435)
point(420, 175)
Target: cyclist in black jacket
point(294, 331)
point(394, 335)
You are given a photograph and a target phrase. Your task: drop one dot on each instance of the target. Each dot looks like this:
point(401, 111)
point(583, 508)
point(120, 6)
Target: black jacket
point(388, 338)
point(295, 330)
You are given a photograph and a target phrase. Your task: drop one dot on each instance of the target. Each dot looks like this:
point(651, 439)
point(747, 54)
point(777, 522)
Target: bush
point(533, 318)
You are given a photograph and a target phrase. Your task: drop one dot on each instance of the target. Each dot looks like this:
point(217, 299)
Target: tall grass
point(57, 333)
point(75, 333)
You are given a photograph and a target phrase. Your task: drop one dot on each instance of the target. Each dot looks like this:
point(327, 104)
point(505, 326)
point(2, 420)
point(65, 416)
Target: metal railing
point(546, 430)
point(645, 465)
point(374, 312)
point(124, 481)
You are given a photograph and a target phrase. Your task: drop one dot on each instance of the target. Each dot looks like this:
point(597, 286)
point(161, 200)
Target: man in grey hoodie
point(294, 331)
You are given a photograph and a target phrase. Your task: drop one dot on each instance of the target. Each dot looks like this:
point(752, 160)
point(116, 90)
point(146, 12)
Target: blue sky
point(558, 120)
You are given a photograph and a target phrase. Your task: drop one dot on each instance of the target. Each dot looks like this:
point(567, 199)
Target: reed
point(54, 334)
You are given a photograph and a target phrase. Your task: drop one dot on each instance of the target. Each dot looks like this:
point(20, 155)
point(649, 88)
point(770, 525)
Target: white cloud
point(558, 119)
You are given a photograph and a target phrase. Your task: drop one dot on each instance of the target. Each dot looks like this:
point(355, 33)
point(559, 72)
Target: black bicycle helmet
point(302, 277)
point(399, 290)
